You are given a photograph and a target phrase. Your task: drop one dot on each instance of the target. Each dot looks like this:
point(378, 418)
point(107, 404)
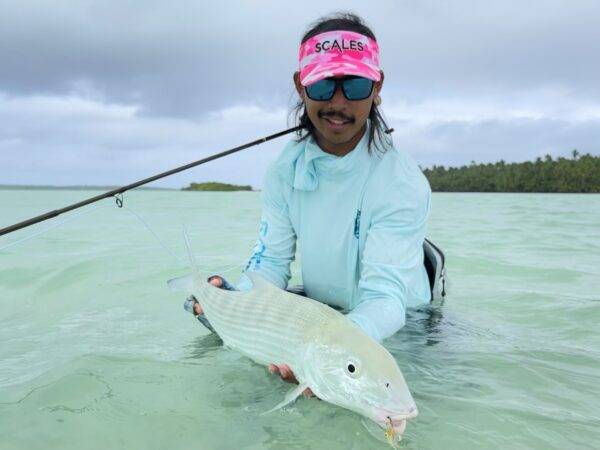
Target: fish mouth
point(409, 413)
point(396, 420)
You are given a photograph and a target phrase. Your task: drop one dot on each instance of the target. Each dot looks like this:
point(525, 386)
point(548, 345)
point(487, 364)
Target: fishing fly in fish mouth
point(358, 206)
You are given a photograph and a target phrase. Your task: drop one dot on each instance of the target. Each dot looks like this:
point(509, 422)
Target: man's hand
point(216, 281)
point(287, 375)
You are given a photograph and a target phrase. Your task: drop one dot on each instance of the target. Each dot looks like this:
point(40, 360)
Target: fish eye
point(352, 369)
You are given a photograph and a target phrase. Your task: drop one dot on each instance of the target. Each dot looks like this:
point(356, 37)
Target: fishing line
point(160, 241)
point(51, 227)
point(135, 214)
point(171, 252)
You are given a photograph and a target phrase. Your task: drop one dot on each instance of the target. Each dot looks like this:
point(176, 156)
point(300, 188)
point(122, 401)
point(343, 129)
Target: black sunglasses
point(354, 88)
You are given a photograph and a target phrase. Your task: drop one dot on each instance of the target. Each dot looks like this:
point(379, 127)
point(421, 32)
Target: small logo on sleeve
point(264, 227)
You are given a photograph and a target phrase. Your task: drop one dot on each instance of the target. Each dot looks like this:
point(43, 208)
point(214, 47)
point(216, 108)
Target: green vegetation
point(579, 174)
point(214, 186)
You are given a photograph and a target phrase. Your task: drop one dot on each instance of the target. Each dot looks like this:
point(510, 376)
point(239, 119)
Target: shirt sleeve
point(275, 247)
point(393, 275)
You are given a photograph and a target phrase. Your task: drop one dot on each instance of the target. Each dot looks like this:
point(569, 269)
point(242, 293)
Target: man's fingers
point(287, 374)
point(284, 371)
point(216, 281)
point(308, 393)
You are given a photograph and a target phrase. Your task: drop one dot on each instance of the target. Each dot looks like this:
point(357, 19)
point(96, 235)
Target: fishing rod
point(118, 192)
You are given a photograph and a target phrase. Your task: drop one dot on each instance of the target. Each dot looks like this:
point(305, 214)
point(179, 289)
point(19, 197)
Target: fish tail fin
point(182, 284)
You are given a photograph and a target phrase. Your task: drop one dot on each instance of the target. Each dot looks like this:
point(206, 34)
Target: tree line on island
point(215, 186)
point(581, 173)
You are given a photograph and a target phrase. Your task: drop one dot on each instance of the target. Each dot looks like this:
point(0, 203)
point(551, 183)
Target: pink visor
point(338, 53)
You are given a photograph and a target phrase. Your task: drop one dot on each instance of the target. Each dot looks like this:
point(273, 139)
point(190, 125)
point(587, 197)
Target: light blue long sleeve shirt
point(360, 222)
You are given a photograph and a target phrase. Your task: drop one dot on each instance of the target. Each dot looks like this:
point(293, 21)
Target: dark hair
point(378, 138)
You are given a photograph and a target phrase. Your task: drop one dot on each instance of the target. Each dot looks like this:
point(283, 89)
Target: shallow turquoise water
point(96, 352)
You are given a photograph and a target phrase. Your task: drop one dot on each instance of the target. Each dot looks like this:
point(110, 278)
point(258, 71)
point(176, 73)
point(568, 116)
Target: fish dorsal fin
point(260, 284)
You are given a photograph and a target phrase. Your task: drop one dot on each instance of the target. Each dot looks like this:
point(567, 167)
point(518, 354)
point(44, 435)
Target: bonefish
point(326, 351)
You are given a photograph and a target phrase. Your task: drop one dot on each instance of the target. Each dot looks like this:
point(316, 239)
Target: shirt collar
point(313, 163)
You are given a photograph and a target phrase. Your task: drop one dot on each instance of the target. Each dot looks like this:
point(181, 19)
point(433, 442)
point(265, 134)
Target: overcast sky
point(105, 92)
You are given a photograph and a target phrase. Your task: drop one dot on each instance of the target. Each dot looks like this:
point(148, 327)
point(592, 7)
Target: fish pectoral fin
point(182, 284)
point(291, 395)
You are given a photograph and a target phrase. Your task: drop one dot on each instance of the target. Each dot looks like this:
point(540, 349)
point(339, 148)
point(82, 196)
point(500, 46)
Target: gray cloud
point(188, 58)
point(183, 61)
point(127, 88)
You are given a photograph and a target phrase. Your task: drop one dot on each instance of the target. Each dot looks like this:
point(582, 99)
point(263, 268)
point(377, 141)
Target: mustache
point(335, 115)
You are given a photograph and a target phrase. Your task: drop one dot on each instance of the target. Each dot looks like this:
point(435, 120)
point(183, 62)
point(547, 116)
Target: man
point(357, 206)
